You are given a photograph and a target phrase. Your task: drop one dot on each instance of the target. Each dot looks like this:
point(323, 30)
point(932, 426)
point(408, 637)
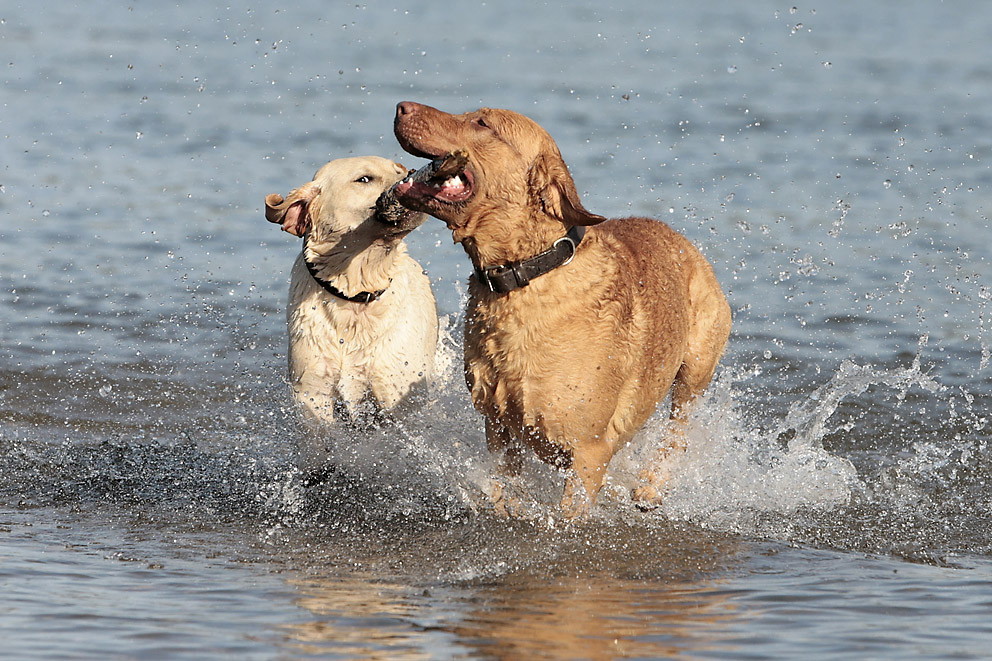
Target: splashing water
point(811, 469)
point(746, 470)
point(736, 475)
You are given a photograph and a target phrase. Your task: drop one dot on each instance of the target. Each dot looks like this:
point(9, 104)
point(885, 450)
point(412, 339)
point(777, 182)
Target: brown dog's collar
point(360, 297)
point(507, 277)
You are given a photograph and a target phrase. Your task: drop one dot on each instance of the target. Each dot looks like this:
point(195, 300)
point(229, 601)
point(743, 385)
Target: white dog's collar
point(360, 297)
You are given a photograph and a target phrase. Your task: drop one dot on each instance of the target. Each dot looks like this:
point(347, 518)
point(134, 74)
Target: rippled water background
point(832, 160)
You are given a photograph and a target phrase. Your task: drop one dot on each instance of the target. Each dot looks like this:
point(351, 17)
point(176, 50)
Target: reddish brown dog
point(572, 336)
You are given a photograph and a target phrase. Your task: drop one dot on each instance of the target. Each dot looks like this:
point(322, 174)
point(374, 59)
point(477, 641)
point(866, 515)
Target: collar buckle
point(571, 242)
point(483, 276)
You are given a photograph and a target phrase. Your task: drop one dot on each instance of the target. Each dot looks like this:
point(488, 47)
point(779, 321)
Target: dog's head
point(513, 169)
point(341, 201)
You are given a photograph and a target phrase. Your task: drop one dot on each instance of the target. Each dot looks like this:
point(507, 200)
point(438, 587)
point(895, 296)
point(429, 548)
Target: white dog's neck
point(370, 270)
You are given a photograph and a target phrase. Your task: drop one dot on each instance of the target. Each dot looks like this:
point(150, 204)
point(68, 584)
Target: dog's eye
point(365, 179)
point(481, 122)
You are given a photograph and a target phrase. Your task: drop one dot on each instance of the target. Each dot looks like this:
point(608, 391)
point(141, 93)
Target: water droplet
point(732, 68)
point(767, 354)
point(105, 389)
point(887, 183)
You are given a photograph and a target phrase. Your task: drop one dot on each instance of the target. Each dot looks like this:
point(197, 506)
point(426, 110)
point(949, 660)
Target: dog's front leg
point(655, 478)
point(586, 476)
point(511, 459)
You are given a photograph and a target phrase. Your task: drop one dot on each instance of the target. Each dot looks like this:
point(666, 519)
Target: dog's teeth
point(454, 182)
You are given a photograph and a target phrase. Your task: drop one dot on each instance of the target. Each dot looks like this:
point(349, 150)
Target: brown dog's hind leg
point(708, 335)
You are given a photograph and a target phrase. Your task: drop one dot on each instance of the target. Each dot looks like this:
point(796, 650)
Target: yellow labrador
point(362, 319)
point(576, 326)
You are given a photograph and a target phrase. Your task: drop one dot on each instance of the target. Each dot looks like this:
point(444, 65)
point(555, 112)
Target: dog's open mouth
point(447, 179)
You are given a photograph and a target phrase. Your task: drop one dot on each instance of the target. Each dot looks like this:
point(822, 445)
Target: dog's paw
point(649, 495)
point(575, 501)
point(504, 504)
point(646, 498)
point(573, 509)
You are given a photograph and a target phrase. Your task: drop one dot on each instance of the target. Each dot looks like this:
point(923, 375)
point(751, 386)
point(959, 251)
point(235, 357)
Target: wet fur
point(572, 365)
point(342, 354)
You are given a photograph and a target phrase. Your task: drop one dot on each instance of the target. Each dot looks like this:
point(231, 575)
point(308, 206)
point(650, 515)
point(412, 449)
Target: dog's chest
point(336, 337)
point(512, 353)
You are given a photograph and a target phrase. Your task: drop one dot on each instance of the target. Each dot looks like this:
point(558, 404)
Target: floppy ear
point(293, 213)
point(550, 183)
